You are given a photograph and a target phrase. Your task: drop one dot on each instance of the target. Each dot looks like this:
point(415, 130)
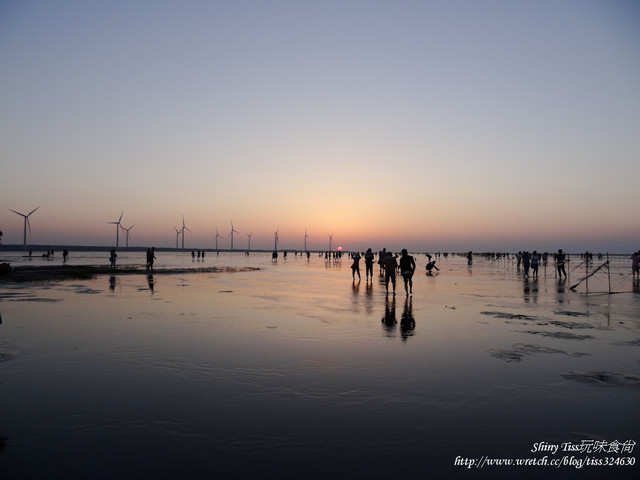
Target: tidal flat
point(292, 370)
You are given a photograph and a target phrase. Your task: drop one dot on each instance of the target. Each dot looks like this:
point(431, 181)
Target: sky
point(452, 125)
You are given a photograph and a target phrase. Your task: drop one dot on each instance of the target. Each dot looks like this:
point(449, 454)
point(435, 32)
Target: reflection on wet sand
point(407, 322)
point(389, 320)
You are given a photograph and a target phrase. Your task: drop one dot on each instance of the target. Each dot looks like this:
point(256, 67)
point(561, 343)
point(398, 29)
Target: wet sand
point(56, 273)
point(294, 371)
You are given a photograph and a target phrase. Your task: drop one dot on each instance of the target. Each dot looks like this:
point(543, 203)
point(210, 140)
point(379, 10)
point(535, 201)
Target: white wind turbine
point(177, 235)
point(117, 224)
point(127, 234)
point(184, 227)
point(217, 237)
point(275, 240)
point(330, 240)
point(249, 241)
point(26, 224)
point(305, 239)
point(231, 234)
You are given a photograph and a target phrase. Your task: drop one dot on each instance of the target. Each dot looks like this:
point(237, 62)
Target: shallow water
point(294, 371)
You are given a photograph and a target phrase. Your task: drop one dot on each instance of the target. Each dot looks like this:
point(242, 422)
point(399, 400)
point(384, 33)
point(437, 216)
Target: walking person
point(382, 254)
point(368, 263)
point(560, 261)
point(151, 257)
point(407, 268)
point(355, 266)
point(390, 265)
point(112, 257)
point(535, 262)
point(526, 263)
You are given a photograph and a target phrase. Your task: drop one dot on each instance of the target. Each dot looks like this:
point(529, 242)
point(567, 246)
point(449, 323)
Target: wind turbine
point(184, 227)
point(26, 223)
point(127, 230)
point(118, 226)
point(231, 234)
point(249, 245)
point(177, 235)
point(217, 237)
point(305, 238)
point(330, 240)
point(275, 240)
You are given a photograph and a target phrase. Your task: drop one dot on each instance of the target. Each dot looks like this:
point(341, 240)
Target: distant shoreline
point(85, 248)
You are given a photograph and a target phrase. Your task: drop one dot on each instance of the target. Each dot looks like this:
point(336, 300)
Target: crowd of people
point(393, 264)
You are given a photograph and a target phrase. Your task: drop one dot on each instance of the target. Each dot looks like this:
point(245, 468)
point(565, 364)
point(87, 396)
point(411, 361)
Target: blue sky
point(435, 125)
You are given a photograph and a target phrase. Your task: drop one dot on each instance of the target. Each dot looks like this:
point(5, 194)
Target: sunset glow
point(431, 126)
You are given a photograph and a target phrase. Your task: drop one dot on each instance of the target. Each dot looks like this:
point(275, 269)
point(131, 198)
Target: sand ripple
point(522, 350)
point(560, 335)
point(509, 316)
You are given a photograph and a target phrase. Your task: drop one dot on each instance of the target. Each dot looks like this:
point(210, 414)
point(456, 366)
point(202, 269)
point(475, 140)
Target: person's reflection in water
point(527, 289)
point(407, 322)
point(636, 285)
point(150, 282)
point(112, 283)
point(369, 297)
point(534, 289)
point(389, 320)
point(560, 284)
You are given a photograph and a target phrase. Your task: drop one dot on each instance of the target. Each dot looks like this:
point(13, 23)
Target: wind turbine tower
point(184, 227)
point(127, 234)
point(231, 234)
point(330, 240)
point(275, 240)
point(118, 226)
point(249, 240)
point(27, 224)
point(177, 235)
point(305, 239)
point(217, 237)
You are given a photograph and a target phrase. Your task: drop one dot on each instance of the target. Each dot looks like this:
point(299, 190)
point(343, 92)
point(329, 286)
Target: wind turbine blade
point(32, 211)
point(26, 219)
point(21, 214)
point(121, 216)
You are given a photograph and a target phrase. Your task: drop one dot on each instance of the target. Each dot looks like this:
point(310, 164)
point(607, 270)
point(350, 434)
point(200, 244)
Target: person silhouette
point(112, 257)
point(151, 257)
point(390, 264)
point(560, 261)
point(355, 266)
point(430, 266)
point(535, 261)
point(368, 263)
point(407, 268)
point(526, 263)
